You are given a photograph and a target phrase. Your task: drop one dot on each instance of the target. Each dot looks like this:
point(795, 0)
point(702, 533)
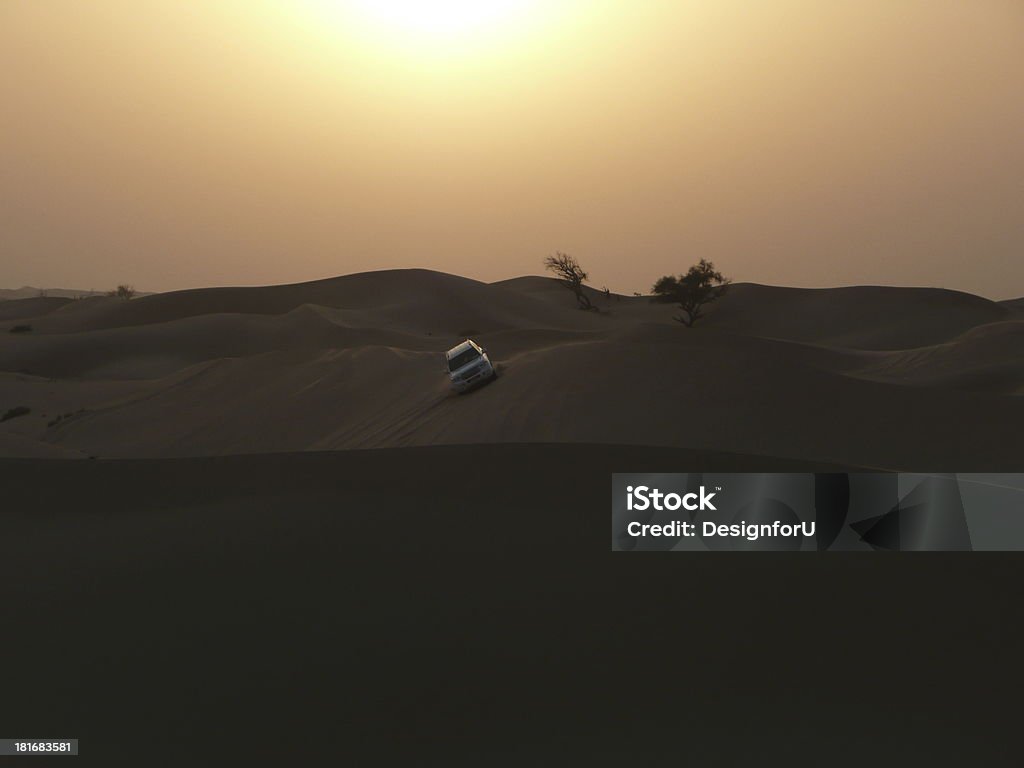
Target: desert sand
point(459, 605)
point(893, 378)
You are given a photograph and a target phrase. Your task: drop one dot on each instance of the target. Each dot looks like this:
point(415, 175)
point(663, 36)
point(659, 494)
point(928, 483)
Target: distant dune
point(862, 317)
point(28, 292)
point(866, 376)
point(34, 307)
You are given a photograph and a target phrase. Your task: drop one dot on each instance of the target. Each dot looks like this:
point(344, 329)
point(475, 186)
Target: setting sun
point(440, 18)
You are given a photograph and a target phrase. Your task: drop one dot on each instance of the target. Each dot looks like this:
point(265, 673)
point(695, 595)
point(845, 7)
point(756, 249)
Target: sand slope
point(415, 299)
point(862, 317)
point(987, 358)
point(1015, 305)
point(869, 376)
point(228, 610)
point(17, 309)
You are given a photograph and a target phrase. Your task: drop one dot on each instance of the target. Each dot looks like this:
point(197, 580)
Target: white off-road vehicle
point(468, 366)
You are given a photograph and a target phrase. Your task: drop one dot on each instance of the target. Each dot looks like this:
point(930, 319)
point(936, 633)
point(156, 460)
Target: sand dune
point(30, 292)
point(149, 351)
point(16, 309)
point(868, 376)
point(422, 300)
point(13, 444)
point(861, 317)
point(1014, 305)
point(274, 594)
point(989, 358)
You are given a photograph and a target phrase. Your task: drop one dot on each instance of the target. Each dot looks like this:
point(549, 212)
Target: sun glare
point(440, 18)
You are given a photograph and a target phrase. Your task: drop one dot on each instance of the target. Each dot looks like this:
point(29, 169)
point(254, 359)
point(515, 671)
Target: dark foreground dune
point(898, 378)
point(460, 606)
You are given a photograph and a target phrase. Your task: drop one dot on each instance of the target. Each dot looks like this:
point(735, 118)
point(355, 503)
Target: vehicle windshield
point(461, 359)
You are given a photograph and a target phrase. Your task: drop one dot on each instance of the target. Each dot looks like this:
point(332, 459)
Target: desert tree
point(571, 275)
point(125, 292)
point(700, 286)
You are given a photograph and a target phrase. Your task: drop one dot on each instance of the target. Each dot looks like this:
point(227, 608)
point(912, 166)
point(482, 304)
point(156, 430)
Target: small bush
point(21, 329)
point(14, 413)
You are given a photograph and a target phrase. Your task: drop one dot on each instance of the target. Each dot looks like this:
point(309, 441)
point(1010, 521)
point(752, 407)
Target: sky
point(242, 142)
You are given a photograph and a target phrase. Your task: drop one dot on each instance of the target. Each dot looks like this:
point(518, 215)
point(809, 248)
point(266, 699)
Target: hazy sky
point(795, 142)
